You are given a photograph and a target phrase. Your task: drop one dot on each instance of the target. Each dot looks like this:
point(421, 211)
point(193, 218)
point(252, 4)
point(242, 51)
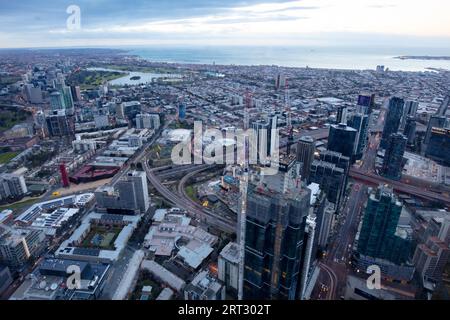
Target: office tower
point(57, 101)
point(331, 179)
point(444, 106)
point(360, 122)
point(341, 116)
point(131, 109)
point(366, 103)
point(393, 157)
point(147, 121)
point(204, 287)
point(129, 195)
point(410, 130)
point(34, 94)
point(342, 139)
point(409, 110)
point(378, 237)
point(12, 186)
point(263, 129)
point(430, 259)
point(181, 112)
point(228, 265)
point(435, 121)
point(438, 147)
point(68, 100)
point(305, 155)
point(277, 207)
point(280, 82)
point(393, 118)
point(59, 124)
point(17, 246)
point(76, 93)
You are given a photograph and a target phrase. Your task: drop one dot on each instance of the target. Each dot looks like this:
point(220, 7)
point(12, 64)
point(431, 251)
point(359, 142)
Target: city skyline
point(254, 22)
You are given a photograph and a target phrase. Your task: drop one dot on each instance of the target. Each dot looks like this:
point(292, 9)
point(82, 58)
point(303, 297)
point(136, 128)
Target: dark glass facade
point(342, 139)
point(439, 146)
point(393, 157)
point(275, 228)
point(393, 118)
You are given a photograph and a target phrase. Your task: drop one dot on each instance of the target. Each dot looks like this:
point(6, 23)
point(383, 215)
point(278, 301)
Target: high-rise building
point(57, 101)
point(17, 246)
point(393, 118)
point(280, 82)
point(131, 109)
point(181, 112)
point(430, 259)
point(148, 121)
point(228, 265)
point(444, 106)
point(366, 103)
point(435, 121)
point(263, 129)
point(76, 93)
point(34, 94)
point(12, 186)
point(342, 139)
point(409, 110)
point(341, 116)
point(438, 147)
point(59, 124)
point(68, 100)
point(305, 155)
point(277, 208)
point(379, 236)
point(130, 194)
point(393, 157)
point(360, 122)
point(410, 130)
point(330, 178)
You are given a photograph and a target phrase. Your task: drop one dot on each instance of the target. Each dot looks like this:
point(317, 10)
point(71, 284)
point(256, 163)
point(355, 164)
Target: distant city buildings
point(148, 121)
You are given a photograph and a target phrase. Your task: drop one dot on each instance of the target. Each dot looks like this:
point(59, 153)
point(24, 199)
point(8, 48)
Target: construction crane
point(289, 126)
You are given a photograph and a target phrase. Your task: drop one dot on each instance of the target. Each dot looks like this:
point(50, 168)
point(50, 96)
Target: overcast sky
point(33, 23)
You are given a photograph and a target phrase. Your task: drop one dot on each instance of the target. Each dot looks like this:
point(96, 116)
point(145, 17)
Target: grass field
point(101, 237)
point(5, 157)
point(18, 206)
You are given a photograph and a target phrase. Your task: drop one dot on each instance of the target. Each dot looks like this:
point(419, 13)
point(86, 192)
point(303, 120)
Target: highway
point(197, 213)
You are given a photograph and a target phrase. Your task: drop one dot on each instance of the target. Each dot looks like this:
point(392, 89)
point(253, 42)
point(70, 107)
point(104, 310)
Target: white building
point(229, 266)
point(12, 185)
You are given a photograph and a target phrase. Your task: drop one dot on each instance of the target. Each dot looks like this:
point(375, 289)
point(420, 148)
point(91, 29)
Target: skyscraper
point(378, 237)
point(263, 129)
point(410, 110)
point(444, 106)
point(438, 147)
point(366, 103)
point(277, 207)
point(342, 139)
point(436, 121)
point(360, 122)
point(57, 101)
point(305, 154)
point(393, 119)
point(393, 157)
point(410, 130)
point(130, 194)
point(341, 116)
point(330, 178)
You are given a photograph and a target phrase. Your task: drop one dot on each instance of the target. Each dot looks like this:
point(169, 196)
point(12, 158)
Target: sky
point(43, 23)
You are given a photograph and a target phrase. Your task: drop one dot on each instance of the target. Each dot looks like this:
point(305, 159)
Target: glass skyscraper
point(393, 156)
point(393, 118)
point(342, 139)
point(275, 231)
point(379, 237)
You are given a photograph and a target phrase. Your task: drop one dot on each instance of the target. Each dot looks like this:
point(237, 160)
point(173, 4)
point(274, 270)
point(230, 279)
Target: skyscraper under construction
point(277, 208)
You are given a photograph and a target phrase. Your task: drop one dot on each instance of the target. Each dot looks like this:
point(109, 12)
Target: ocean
point(355, 58)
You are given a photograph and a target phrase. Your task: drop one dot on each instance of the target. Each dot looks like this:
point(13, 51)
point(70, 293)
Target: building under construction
point(277, 208)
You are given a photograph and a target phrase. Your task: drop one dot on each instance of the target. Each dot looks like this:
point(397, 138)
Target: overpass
point(400, 187)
